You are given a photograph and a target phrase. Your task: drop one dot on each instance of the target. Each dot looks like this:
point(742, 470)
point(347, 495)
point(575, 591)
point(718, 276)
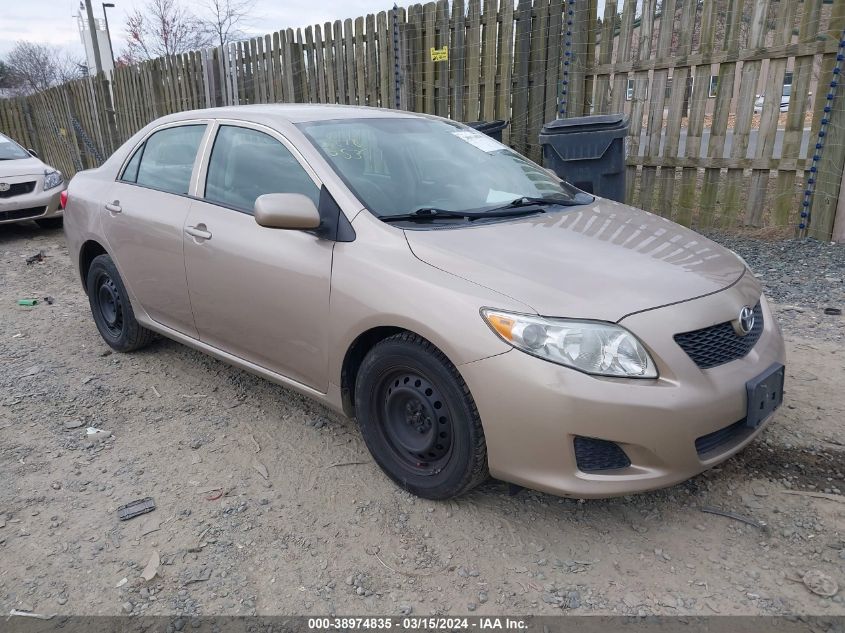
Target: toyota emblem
point(5, 186)
point(745, 322)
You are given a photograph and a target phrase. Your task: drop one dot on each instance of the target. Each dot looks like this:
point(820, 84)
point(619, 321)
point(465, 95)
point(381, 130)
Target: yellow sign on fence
point(440, 54)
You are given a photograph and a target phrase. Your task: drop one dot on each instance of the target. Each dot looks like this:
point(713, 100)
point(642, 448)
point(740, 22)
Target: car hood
point(599, 261)
point(21, 167)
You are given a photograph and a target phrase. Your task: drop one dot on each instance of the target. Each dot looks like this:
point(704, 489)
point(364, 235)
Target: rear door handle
point(198, 232)
point(113, 207)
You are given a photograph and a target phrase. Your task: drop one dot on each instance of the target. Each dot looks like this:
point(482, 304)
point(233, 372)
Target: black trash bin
point(492, 129)
point(588, 152)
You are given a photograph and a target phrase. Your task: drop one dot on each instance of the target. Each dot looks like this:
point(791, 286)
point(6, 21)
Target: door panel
point(260, 294)
point(144, 228)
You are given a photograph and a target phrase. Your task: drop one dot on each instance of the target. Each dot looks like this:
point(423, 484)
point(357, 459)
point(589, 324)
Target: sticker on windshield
point(479, 140)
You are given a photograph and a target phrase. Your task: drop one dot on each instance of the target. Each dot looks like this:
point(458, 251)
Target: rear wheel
point(50, 223)
point(418, 418)
point(111, 309)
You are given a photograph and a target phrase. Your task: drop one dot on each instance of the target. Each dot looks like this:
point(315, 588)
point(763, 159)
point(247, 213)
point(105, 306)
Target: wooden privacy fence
point(686, 71)
point(704, 148)
point(502, 60)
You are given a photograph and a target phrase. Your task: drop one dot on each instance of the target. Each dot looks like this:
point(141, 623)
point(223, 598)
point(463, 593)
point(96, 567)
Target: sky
point(52, 21)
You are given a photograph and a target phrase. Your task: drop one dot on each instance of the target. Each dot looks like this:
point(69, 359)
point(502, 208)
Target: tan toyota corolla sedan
point(472, 312)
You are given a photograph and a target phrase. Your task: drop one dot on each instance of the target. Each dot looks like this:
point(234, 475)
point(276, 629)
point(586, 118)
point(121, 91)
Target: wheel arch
point(358, 350)
point(90, 250)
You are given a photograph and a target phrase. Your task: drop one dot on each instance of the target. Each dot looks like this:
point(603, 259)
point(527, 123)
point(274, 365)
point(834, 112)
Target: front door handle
point(198, 232)
point(113, 207)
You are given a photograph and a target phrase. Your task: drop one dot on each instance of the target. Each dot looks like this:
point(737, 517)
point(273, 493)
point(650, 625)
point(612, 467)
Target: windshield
point(9, 150)
point(398, 166)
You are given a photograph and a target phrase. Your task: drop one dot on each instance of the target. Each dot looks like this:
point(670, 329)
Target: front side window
point(246, 164)
point(166, 159)
point(397, 166)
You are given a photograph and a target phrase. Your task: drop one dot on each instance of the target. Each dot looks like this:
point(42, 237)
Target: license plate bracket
point(765, 395)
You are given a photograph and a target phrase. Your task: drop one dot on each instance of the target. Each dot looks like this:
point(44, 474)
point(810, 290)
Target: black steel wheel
point(109, 304)
point(111, 309)
point(415, 421)
point(418, 418)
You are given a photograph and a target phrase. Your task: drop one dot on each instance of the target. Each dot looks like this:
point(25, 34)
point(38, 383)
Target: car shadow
point(493, 496)
point(25, 231)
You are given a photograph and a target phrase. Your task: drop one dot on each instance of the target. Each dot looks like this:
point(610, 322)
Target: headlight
point(593, 347)
point(52, 179)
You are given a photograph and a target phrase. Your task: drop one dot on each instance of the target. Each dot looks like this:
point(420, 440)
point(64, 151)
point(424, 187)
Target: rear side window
point(246, 164)
point(166, 159)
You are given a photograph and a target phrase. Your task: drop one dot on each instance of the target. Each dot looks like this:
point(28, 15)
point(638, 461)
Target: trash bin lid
point(488, 126)
point(594, 123)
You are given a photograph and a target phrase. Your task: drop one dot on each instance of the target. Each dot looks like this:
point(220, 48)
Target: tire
point(419, 420)
point(51, 223)
point(111, 309)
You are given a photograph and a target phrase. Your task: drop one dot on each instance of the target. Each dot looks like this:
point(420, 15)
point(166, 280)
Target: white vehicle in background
point(784, 99)
point(29, 188)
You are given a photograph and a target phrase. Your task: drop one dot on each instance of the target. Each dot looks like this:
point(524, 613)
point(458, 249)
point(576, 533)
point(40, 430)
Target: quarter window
point(246, 164)
point(166, 159)
point(130, 174)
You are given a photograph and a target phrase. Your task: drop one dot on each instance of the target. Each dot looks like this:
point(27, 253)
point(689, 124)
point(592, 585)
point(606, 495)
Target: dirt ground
point(269, 504)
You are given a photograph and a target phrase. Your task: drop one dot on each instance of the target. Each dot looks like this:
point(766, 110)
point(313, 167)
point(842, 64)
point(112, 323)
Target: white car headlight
point(52, 179)
point(594, 347)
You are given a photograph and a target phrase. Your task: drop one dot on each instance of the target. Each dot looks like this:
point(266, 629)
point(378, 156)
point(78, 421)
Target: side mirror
point(32, 151)
point(286, 211)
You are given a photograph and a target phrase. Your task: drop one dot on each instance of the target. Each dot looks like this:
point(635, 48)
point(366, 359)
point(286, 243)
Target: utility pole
point(95, 40)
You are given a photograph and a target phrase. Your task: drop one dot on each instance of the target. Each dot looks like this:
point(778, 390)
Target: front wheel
point(111, 309)
point(418, 418)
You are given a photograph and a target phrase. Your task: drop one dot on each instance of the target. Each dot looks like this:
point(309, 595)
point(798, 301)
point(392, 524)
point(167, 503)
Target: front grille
point(720, 344)
point(721, 438)
point(18, 188)
point(592, 455)
point(22, 214)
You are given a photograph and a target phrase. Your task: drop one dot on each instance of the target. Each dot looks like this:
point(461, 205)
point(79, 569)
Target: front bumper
point(34, 205)
point(532, 410)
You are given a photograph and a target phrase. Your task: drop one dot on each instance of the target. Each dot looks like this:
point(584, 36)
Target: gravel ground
point(268, 504)
point(804, 277)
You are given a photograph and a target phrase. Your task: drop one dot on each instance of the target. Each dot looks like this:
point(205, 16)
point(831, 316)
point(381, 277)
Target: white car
point(29, 188)
point(784, 99)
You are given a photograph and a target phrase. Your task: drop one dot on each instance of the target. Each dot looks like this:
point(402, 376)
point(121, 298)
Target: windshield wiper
point(425, 214)
point(528, 201)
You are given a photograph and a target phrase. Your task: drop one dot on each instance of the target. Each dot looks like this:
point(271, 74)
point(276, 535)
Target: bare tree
point(226, 19)
point(162, 27)
point(36, 67)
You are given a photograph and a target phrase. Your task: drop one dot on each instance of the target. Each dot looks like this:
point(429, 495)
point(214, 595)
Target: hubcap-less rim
point(111, 309)
point(415, 422)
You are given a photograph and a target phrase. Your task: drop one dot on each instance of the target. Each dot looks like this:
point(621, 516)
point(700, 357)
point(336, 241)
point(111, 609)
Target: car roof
point(289, 113)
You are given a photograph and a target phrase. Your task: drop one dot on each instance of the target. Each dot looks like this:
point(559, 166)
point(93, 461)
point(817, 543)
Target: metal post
point(830, 127)
point(95, 42)
point(397, 77)
point(566, 57)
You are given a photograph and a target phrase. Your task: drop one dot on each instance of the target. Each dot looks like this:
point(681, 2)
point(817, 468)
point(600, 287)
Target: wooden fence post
point(839, 221)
